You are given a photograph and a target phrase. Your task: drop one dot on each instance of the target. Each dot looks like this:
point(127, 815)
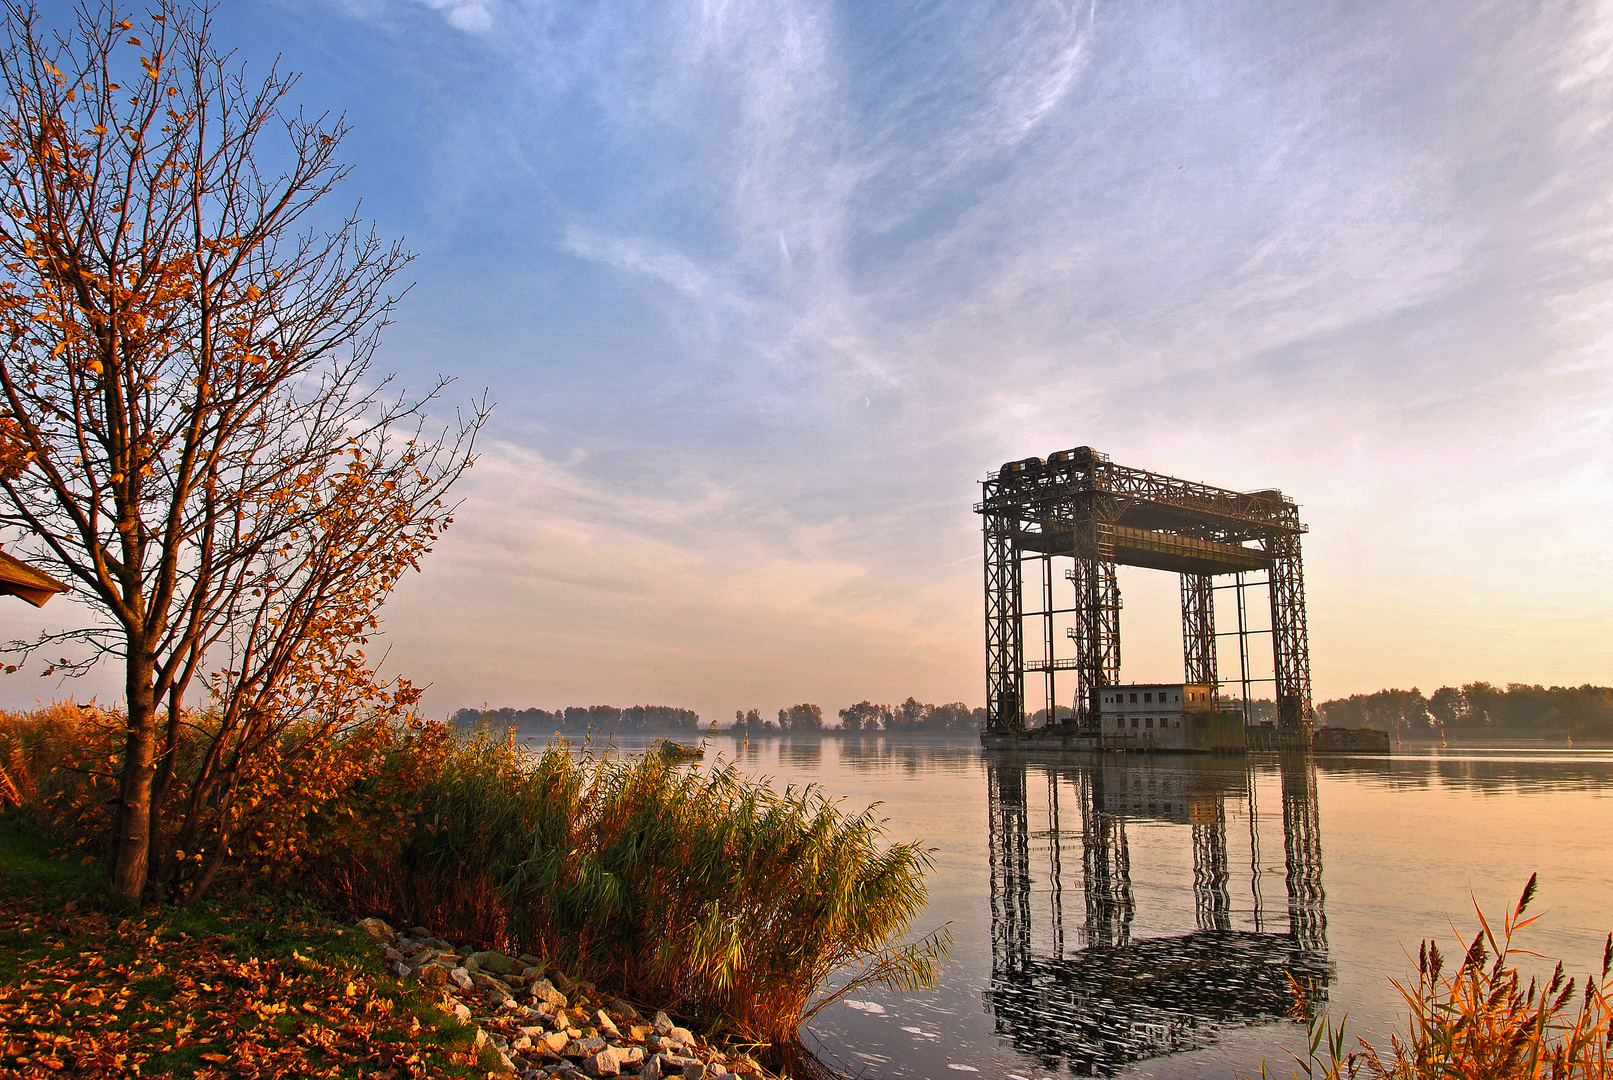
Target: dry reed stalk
point(1480, 1022)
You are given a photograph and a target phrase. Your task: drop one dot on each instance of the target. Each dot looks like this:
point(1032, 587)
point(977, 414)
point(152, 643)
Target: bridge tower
point(1079, 505)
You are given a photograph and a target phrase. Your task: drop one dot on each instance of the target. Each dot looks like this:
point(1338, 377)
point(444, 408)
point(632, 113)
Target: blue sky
point(763, 290)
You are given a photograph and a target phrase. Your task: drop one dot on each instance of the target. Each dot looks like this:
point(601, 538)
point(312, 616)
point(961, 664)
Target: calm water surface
point(1138, 917)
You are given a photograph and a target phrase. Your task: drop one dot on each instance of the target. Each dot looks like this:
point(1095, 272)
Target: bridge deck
point(1157, 550)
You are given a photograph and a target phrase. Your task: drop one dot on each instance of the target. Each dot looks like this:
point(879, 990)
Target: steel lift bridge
point(1079, 505)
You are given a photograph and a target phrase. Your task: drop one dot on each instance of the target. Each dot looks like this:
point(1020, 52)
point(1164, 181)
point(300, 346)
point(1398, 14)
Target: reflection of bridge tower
point(1121, 999)
point(1302, 852)
point(1210, 896)
point(1010, 868)
point(1106, 866)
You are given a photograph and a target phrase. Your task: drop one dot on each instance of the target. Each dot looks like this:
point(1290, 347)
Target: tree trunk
point(131, 849)
point(166, 756)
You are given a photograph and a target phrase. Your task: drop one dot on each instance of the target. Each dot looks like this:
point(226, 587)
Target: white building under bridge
point(1163, 716)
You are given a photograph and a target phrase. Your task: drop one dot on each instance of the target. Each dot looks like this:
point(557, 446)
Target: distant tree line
point(1479, 706)
point(1575, 710)
point(797, 718)
point(578, 718)
point(912, 715)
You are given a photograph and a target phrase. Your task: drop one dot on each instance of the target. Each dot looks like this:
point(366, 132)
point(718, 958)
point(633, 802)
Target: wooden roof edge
point(17, 578)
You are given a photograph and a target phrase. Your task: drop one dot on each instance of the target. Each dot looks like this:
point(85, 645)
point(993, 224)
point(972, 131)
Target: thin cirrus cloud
point(763, 289)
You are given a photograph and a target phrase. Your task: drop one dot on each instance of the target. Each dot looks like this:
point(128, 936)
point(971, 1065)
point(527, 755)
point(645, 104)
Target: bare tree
point(197, 439)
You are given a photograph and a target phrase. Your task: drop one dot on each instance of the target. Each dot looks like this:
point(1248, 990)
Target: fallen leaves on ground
point(94, 994)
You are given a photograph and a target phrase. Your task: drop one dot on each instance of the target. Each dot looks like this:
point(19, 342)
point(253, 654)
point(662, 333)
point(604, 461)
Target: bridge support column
point(1198, 629)
point(1005, 664)
point(1097, 608)
point(1290, 645)
point(1049, 676)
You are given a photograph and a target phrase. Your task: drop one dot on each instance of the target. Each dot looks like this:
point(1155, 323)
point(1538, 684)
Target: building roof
point(17, 578)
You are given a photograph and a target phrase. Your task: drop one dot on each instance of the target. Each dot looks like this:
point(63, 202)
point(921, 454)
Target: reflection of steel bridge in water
point(1077, 504)
point(1118, 999)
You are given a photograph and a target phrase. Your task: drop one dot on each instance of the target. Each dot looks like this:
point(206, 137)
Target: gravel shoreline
point(542, 1024)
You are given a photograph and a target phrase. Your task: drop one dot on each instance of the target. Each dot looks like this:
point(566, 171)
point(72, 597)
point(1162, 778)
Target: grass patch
point(263, 987)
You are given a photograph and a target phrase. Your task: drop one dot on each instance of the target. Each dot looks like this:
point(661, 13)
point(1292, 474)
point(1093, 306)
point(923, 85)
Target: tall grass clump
point(726, 898)
point(1480, 1022)
point(53, 760)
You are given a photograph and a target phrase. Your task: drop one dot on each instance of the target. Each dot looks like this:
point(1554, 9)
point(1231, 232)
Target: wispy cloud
point(1267, 245)
point(765, 287)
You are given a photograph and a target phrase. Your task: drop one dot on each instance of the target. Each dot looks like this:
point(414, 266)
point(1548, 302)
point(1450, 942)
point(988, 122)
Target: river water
point(1139, 916)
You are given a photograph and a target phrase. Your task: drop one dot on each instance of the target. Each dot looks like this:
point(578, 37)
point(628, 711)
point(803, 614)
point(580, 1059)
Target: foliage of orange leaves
point(191, 430)
point(300, 795)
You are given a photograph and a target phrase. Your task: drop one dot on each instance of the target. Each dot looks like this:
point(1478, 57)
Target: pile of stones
point(542, 1024)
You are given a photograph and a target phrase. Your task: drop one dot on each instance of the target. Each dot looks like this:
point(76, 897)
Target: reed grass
point(726, 898)
point(740, 906)
point(54, 759)
point(1480, 1021)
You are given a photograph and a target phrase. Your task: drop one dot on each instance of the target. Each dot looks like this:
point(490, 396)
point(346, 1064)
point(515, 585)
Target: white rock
point(603, 1063)
point(543, 990)
point(376, 930)
point(462, 978)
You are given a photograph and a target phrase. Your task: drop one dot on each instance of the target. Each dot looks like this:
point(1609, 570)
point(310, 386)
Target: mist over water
point(1138, 916)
